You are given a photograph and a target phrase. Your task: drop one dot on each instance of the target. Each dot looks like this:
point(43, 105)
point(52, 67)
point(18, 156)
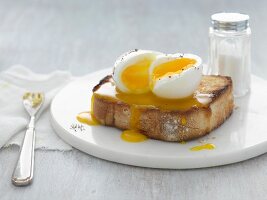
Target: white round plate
point(242, 136)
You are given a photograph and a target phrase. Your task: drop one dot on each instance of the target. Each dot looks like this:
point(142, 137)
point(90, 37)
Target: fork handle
point(23, 172)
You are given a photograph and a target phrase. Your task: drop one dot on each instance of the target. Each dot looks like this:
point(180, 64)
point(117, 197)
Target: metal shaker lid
point(230, 21)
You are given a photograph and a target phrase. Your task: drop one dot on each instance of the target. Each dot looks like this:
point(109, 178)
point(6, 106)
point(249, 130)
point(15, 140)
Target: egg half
point(131, 71)
point(175, 76)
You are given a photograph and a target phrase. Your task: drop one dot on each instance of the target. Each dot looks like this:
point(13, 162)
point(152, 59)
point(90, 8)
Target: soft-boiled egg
point(175, 76)
point(131, 71)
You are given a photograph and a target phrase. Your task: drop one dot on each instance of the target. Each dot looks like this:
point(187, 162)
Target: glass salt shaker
point(229, 53)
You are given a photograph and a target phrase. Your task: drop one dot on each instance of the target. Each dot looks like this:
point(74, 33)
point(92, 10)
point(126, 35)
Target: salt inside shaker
point(229, 52)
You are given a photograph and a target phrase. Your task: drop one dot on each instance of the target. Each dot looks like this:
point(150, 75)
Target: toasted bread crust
point(168, 125)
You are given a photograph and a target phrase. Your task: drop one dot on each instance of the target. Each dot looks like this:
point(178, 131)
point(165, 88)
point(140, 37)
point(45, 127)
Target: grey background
point(85, 36)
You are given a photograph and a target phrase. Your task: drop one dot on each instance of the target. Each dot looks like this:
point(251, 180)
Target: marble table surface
point(85, 36)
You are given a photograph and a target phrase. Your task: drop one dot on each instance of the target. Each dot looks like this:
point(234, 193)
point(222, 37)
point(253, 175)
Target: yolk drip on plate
point(87, 118)
point(170, 68)
point(133, 136)
point(135, 77)
point(207, 146)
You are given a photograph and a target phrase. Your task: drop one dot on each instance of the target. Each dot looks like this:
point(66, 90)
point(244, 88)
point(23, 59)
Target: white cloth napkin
point(14, 82)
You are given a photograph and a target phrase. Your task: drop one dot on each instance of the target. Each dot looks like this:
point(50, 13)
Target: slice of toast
point(215, 93)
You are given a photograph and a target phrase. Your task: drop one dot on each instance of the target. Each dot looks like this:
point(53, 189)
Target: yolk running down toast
point(165, 119)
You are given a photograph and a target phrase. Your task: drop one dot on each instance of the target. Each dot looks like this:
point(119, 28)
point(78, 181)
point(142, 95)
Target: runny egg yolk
point(208, 146)
point(87, 118)
point(133, 136)
point(136, 77)
point(172, 67)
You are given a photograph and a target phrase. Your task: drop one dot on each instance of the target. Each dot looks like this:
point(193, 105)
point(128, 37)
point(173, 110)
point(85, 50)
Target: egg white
point(127, 59)
point(179, 85)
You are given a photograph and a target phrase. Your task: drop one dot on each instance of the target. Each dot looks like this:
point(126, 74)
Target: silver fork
point(23, 172)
